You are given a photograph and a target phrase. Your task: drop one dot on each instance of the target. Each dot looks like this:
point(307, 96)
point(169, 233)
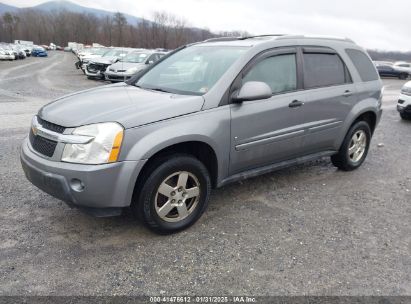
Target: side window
point(279, 72)
point(152, 58)
point(363, 65)
point(324, 69)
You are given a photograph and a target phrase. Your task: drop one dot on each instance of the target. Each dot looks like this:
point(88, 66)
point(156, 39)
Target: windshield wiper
point(158, 90)
point(152, 89)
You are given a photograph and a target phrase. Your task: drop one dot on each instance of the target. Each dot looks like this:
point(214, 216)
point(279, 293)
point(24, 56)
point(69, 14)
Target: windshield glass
point(98, 51)
point(115, 53)
point(135, 57)
point(192, 71)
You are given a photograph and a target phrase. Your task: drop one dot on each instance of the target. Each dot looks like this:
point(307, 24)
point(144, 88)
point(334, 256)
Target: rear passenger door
point(330, 95)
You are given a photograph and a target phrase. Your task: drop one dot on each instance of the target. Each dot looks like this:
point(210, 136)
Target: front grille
point(93, 67)
point(115, 77)
point(51, 126)
point(42, 145)
point(401, 101)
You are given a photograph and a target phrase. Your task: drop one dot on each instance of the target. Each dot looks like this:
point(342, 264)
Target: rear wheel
point(174, 195)
point(403, 76)
point(355, 147)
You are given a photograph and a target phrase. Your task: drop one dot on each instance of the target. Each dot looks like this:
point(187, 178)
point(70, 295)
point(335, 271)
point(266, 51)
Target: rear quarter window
point(363, 64)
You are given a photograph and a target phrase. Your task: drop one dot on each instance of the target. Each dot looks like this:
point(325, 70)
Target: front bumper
point(96, 188)
point(120, 77)
point(95, 74)
point(404, 104)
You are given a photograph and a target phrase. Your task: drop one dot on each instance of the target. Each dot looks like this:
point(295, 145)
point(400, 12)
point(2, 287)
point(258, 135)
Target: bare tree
point(108, 30)
point(61, 26)
point(178, 26)
point(10, 23)
point(120, 22)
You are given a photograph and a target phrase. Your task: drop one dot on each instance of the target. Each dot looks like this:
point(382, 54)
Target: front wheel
point(405, 116)
point(403, 76)
point(174, 195)
point(354, 148)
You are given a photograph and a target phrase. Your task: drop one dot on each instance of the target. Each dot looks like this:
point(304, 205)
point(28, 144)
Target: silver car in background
point(134, 62)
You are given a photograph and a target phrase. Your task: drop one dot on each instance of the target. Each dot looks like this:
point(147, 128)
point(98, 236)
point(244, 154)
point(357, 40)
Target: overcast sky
point(380, 24)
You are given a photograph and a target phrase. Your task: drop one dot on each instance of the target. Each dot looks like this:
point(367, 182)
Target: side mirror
point(252, 90)
point(150, 62)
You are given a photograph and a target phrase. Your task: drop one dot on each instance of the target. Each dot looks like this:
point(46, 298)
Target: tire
point(405, 116)
point(345, 161)
point(403, 76)
point(181, 211)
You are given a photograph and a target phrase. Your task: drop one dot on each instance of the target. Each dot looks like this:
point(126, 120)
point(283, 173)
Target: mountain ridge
point(51, 6)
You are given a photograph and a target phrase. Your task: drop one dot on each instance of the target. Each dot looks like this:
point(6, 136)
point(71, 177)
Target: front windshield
point(135, 57)
point(114, 53)
point(192, 71)
point(98, 51)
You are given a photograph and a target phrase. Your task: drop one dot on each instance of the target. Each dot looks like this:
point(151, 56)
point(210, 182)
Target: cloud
point(371, 23)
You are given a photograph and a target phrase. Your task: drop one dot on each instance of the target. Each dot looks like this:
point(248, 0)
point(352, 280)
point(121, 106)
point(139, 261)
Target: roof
point(253, 40)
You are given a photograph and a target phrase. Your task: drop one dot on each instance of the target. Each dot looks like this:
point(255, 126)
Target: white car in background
point(96, 67)
point(404, 102)
point(88, 54)
point(6, 55)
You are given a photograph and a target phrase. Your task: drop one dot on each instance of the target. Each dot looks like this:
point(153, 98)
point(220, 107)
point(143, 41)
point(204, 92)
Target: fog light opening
point(77, 185)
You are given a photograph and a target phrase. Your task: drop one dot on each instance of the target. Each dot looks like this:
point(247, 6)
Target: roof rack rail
point(317, 37)
point(258, 36)
point(218, 39)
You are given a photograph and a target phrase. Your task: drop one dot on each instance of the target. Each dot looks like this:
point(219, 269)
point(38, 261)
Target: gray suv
point(203, 116)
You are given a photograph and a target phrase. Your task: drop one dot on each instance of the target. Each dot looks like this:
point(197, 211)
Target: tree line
point(164, 30)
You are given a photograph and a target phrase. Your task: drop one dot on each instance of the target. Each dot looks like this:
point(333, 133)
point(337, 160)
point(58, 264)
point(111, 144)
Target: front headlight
point(104, 148)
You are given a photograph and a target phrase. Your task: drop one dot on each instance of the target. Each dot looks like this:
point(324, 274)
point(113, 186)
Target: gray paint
point(248, 138)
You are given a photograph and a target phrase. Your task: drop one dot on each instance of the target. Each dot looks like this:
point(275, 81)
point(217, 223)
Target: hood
point(90, 56)
point(126, 65)
point(106, 60)
point(407, 85)
point(122, 103)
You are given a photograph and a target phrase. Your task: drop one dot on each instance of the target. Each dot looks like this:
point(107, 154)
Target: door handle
point(347, 93)
point(296, 104)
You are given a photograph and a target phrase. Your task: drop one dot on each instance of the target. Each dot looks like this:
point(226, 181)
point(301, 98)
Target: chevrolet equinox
point(203, 116)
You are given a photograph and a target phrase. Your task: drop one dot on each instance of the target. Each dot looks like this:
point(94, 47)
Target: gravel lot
point(307, 230)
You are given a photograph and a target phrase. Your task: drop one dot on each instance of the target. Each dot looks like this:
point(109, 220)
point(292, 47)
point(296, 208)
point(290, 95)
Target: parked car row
point(9, 51)
point(401, 70)
point(115, 64)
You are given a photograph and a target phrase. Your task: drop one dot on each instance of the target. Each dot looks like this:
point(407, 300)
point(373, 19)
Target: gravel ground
point(307, 230)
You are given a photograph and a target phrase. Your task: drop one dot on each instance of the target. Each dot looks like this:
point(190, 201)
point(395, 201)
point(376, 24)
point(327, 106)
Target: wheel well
point(370, 118)
point(200, 150)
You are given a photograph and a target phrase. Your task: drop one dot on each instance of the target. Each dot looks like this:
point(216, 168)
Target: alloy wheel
point(177, 196)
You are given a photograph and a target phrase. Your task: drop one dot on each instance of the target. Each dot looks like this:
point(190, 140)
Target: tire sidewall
point(149, 190)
